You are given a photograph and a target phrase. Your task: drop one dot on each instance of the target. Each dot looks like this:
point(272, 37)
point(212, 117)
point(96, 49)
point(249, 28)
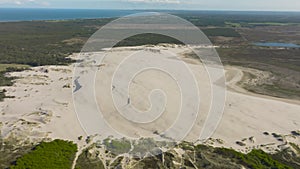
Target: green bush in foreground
point(254, 159)
point(57, 154)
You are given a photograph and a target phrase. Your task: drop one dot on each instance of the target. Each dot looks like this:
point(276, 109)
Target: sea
point(35, 14)
point(277, 44)
point(21, 14)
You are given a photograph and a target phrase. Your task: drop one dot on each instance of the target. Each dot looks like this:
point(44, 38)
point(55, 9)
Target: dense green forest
point(49, 42)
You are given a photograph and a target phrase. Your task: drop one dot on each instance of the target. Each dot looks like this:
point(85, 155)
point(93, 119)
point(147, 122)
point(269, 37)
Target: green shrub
point(57, 154)
point(254, 159)
point(87, 161)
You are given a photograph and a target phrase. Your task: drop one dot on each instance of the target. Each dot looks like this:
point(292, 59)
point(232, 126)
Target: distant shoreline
point(53, 14)
point(29, 15)
point(54, 20)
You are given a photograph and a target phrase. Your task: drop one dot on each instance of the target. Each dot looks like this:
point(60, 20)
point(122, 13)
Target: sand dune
point(43, 106)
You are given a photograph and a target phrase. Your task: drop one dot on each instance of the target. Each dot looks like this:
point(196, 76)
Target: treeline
point(219, 18)
point(44, 42)
point(50, 42)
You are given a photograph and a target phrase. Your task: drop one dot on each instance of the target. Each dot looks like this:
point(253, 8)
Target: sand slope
point(43, 106)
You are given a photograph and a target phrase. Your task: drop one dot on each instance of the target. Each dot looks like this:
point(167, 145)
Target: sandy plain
point(43, 105)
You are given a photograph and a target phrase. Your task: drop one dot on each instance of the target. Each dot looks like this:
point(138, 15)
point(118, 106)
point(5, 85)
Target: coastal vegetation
point(60, 154)
point(7, 81)
point(40, 43)
point(87, 160)
point(28, 44)
point(52, 155)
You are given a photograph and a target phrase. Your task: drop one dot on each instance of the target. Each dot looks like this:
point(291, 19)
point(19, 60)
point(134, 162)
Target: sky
point(236, 5)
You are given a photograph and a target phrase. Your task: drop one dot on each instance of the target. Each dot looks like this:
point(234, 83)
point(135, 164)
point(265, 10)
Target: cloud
point(24, 2)
point(45, 3)
point(4, 1)
point(156, 1)
point(18, 3)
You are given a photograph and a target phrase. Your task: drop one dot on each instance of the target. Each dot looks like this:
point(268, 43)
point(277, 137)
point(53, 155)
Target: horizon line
point(204, 10)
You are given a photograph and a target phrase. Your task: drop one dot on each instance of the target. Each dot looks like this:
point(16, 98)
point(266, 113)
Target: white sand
point(246, 115)
point(41, 98)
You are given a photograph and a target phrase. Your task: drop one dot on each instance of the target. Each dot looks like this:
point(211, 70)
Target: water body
point(275, 44)
point(77, 85)
point(23, 14)
point(11, 14)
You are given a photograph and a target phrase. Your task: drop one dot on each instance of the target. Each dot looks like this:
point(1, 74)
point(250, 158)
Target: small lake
point(77, 85)
point(275, 44)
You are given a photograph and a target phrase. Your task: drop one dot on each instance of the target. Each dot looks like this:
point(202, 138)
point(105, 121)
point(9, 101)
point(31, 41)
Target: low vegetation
point(283, 64)
point(49, 43)
point(60, 154)
point(7, 81)
point(25, 44)
point(9, 153)
point(86, 160)
point(52, 155)
point(254, 159)
point(226, 32)
point(117, 146)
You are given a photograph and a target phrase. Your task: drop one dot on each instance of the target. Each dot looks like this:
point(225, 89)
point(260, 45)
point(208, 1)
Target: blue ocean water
point(19, 14)
point(276, 44)
point(23, 14)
